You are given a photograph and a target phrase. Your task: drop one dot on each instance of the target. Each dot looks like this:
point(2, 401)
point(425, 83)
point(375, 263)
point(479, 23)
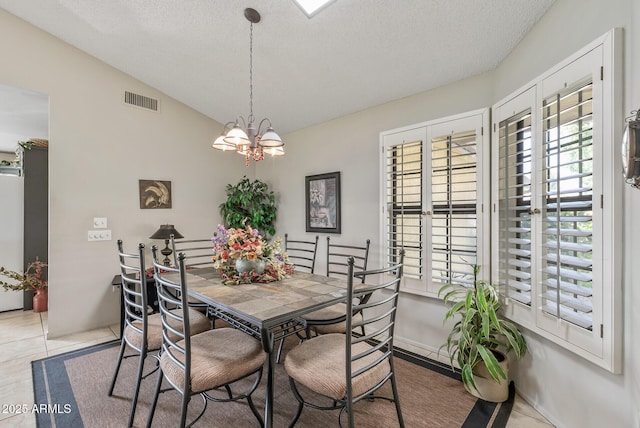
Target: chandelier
point(244, 138)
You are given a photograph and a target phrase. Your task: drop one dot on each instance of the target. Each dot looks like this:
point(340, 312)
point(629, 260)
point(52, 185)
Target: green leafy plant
point(32, 279)
point(250, 203)
point(480, 332)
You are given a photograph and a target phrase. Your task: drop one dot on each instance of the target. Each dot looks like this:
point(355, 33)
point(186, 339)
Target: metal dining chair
point(338, 254)
point(198, 364)
point(333, 318)
point(301, 253)
point(198, 254)
point(142, 332)
point(346, 368)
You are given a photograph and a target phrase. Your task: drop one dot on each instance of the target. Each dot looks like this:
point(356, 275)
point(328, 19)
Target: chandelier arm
point(261, 122)
point(240, 119)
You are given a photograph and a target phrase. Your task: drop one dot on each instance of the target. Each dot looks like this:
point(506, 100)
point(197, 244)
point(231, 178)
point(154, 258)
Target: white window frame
point(477, 120)
point(601, 345)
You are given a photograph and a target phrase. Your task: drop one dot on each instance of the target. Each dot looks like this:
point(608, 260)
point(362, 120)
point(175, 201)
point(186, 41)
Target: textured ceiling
point(352, 55)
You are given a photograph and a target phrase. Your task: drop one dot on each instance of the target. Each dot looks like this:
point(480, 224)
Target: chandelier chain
point(251, 118)
point(252, 142)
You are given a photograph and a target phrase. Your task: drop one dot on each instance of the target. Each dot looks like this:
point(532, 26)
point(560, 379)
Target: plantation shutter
point(567, 183)
point(434, 186)
point(454, 199)
point(514, 205)
point(404, 222)
point(557, 205)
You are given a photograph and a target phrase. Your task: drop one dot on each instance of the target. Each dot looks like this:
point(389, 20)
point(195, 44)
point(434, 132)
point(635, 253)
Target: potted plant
point(31, 280)
point(480, 340)
point(250, 203)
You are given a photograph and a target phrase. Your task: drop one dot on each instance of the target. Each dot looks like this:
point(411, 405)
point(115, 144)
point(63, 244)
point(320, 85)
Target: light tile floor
point(23, 339)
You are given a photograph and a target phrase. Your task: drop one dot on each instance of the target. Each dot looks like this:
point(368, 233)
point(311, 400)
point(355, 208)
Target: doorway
point(24, 115)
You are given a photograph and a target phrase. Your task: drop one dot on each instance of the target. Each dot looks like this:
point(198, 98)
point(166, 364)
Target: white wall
point(568, 390)
point(99, 149)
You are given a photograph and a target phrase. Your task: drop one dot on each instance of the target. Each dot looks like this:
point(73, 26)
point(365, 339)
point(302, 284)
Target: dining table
point(267, 311)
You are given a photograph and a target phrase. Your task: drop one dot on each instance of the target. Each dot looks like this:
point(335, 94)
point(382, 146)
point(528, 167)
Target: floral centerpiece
point(242, 256)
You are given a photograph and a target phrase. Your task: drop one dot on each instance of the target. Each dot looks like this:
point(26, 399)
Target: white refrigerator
point(11, 235)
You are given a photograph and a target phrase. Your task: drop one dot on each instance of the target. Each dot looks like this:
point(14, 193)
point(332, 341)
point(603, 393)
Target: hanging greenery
point(250, 203)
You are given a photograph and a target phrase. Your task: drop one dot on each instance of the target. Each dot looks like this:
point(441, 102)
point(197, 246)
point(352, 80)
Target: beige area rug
point(71, 390)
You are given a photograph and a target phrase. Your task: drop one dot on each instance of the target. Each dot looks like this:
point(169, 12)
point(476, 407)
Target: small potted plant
point(480, 340)
point(31, 280)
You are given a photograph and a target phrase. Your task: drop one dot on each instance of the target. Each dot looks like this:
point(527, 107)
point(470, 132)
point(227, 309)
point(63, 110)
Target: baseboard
point(421, 349)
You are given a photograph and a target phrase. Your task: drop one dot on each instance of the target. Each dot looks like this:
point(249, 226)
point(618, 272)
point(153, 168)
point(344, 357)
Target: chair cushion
point(198, 323)
point(196, 302)
point(319, 364)
point(340, 327)
point(198, 305)
point(338, 310)
point(218, 357)
point(330, 312)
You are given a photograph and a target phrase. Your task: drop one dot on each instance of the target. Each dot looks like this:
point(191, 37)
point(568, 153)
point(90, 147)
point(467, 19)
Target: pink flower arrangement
point(234, 244)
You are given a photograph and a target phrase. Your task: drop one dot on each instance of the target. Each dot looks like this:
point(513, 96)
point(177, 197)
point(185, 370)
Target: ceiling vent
point(140, 101)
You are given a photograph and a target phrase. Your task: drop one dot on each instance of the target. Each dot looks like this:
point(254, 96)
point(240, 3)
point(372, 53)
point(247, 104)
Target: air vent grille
point(140, 101)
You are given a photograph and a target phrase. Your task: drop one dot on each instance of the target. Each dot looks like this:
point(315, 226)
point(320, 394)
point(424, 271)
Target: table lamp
point(165, 232)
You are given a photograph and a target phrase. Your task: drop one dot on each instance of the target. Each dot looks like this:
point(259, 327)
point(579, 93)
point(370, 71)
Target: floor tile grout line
point(44, 336)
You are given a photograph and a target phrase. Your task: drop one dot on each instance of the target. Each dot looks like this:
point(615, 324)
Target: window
point(567, 206)
point(554, 206)
point(433, 179)
point(514, 206)
point(454, 214)
point(404, 194)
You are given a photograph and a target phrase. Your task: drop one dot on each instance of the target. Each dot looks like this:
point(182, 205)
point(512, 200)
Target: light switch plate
point(99, 235)
point(100, 222)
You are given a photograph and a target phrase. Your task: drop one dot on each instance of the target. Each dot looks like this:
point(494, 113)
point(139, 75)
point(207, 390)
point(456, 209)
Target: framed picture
point(322, 193)
point(155, 194)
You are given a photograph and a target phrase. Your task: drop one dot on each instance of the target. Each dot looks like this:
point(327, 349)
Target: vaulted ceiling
point(352, 55)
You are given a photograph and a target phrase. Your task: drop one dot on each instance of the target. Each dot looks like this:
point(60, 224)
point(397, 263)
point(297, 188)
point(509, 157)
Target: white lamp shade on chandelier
point(274, 151)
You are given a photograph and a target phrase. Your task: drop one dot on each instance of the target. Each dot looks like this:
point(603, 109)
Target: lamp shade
point(274, 151)
point(271, 139)
point(237, 137)
point(220, 144)
point(165, 232)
